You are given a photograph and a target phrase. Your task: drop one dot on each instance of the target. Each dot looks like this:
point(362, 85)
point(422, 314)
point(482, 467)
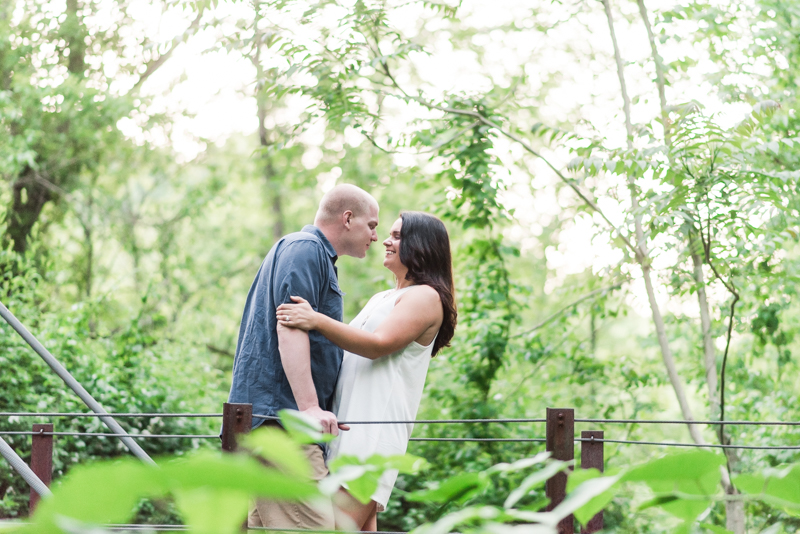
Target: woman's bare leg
point(363, 515)
point(372, 521)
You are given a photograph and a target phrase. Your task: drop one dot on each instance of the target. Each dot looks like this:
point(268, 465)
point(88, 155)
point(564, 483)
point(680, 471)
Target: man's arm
point(295, 351)
point(416, 313)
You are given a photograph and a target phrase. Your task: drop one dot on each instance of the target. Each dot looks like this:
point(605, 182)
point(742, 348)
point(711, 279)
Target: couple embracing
point(294, 351)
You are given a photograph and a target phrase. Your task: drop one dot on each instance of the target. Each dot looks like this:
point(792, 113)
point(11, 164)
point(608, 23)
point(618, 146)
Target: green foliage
point(361, 477)
point(125, 374)
point(137, 262)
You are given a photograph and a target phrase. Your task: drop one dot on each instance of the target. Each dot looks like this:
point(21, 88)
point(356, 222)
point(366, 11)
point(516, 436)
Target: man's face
point(362, 232)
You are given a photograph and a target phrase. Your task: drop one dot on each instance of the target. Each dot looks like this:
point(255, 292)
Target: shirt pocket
point(332, 304)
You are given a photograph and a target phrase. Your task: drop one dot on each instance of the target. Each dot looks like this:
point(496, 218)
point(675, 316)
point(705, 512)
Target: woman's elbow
point(380, 350)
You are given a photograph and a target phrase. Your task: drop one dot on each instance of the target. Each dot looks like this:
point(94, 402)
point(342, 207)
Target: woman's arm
point(415, 312)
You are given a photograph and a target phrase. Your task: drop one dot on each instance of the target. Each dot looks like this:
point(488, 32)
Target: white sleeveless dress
point(386, 389)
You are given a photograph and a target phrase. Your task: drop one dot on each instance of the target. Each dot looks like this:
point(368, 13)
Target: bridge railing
point(559, 438)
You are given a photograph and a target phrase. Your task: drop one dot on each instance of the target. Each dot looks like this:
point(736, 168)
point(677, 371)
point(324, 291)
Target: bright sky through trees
point(210, 93)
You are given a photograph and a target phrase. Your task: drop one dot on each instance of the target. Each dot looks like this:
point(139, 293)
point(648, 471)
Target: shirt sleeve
point(300, 272)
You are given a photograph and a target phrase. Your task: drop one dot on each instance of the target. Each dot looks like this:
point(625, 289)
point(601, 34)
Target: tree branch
point(433, 148)
point(513, 137)
point(154, 65)
point(221, 352)
point(660, 81)
point(532, 151)
point(567, 307)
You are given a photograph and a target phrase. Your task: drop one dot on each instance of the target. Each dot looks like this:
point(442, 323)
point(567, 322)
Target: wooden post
point(592, 456)
point(236, 419)
point(560, 440)
point(41, 459)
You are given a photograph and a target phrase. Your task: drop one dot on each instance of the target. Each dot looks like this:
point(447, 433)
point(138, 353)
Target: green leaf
point(361, 481)
point(235, 472)
point(466, 515)
point(537, 505)
point(206, 485)
point(658, 501)
point(275, 446)
point(592, 494)
point(535, 479)
point(579, 476)
point(361, 477)
point(715, 528)
point(690, 473)
point(519, 465)
point(677, 468)
point(765, 108)
point(686, 509)
point(212, 511)
point(303, 428)
point(777, 486)
point(404, 463)
point(459, 488)
point(104, 492)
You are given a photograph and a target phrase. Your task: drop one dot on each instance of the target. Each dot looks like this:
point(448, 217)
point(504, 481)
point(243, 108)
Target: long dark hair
point(425, 251)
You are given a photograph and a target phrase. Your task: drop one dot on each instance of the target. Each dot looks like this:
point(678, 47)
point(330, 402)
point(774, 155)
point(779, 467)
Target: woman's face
point(392, 243)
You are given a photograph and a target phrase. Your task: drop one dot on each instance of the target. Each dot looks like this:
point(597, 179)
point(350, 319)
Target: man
point(277, 367)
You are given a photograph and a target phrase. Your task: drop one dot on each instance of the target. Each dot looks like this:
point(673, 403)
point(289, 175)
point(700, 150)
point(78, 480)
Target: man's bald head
point(342, 198)
point(348, 216)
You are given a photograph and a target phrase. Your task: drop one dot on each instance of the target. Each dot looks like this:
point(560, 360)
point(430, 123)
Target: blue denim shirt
point(300, 264)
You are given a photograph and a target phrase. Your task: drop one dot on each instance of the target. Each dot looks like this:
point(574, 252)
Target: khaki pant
point(309, 515)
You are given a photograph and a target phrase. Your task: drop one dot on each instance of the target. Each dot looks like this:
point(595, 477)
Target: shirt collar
point(311, 229)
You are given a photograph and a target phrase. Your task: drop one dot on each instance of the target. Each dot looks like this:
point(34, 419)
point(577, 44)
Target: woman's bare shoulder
point(422, 294)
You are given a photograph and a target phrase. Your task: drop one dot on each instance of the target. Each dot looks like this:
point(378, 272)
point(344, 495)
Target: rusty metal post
point(41, 458)
point(236, 419)
point(592, 456)
point(560, 440)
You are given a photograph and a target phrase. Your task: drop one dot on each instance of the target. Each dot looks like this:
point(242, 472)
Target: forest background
point(618, 179)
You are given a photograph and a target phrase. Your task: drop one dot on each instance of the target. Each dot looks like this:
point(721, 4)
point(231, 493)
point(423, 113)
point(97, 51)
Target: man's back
point(300, 264)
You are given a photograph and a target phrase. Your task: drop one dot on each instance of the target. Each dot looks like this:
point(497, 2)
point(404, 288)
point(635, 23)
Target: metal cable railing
point(422, 439)
point(237, 418)
point(561, 446)
point(181, 528)
point(420, 421)
point(121, 415)
point(131, 527)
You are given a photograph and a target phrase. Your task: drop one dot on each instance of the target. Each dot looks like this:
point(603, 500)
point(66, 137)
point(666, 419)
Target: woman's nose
point(386, 242)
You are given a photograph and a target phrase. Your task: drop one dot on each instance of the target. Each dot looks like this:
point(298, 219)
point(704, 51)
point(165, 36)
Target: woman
point(388, 347)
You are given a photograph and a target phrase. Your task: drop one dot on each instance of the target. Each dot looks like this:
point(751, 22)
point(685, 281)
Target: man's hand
point(327, 419)
point(295, 352)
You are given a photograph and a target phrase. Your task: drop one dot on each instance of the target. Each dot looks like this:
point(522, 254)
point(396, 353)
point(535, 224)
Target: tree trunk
point(87, 221)
point(709, 353)
point(74, 33)
point(734, 510)
point(642, 257)
point(273, 187)
point(29, 198)
point(29, 194)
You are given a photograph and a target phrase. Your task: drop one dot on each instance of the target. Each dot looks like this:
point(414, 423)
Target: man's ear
point(347, 218)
